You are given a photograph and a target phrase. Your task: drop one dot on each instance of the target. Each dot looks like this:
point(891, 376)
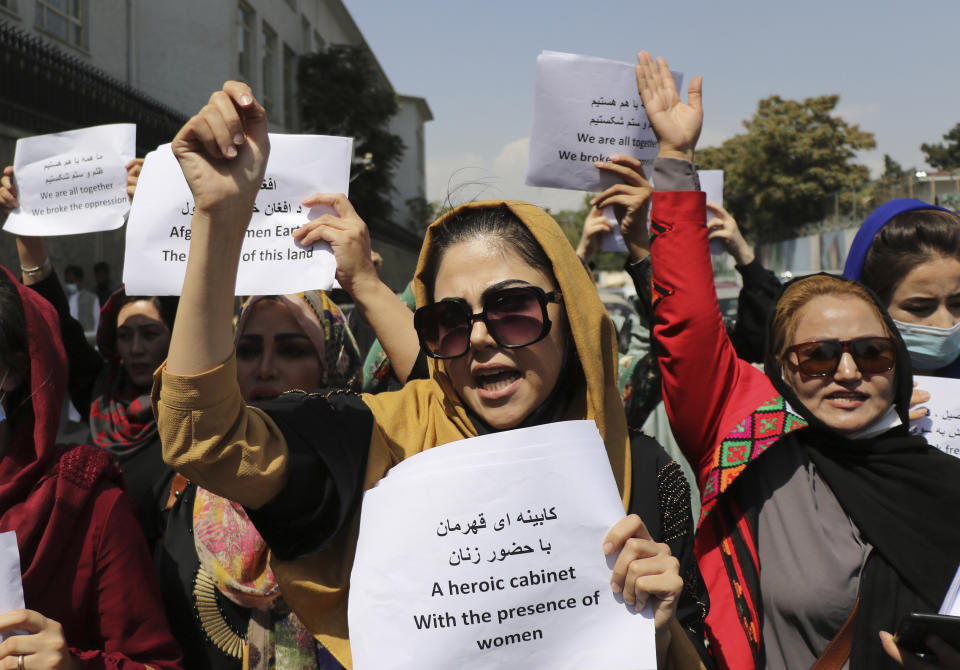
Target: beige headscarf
point(428, 413)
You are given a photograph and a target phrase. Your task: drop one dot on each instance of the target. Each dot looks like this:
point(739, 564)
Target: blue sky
point(894, 65)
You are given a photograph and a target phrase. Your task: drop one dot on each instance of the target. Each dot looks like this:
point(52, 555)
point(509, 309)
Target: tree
point(571, 222)
point(343, 92)
point(778, 174)
point(891, 168)
point(421, 213)
point(944, 156)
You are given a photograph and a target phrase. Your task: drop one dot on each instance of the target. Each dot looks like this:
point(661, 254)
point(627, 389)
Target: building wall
point(410, 176)
point(105, 44)
point(178, 52)
point(183, 51)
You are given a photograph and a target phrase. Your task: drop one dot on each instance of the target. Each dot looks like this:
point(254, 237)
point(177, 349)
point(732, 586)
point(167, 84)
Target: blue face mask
point(930, 348)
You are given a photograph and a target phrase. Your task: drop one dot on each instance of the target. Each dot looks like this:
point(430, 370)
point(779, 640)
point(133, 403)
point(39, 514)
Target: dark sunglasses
point(872, 355)
point(515, 317)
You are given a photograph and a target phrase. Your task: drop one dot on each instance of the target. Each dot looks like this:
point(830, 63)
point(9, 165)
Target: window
point(268, 68)
point(292, 4)
point(289, 88)
point(9, 4)
point(245, 22)
point(318, 43)
point(64, 19)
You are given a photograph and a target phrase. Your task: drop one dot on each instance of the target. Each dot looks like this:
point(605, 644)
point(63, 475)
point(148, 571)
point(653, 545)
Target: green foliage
point(342, 92)
point(421, 213)
point(946, 155)
point(778, 174)
point(891, 168)
point(571, 222)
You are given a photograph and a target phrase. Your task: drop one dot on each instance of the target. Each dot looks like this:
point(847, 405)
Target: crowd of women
point(213, 520)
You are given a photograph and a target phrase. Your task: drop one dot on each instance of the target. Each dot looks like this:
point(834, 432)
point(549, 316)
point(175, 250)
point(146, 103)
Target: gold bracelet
point(45, 265)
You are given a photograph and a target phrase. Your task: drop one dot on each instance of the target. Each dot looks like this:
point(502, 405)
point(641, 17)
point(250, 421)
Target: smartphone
point(916, 626)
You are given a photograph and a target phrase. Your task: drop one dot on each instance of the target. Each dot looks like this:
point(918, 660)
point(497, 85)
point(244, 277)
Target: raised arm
point(760, 289)
point(348, 236)
point(697, 361)
point(223, 154)
point(207, 431)
point(269, 460)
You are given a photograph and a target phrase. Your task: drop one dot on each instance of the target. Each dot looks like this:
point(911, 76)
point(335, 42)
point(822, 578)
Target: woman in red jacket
point(822, 518)
point(88, 584)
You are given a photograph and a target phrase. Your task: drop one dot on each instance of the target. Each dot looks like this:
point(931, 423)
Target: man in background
point(105, 285)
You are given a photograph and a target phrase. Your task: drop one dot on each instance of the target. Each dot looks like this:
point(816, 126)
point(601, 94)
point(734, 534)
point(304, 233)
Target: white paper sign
point(11, 586)
point(72, 182)
point(486, 553)
point(585, 109)
point(711, 183)
point(941, 426)
point(158, 235)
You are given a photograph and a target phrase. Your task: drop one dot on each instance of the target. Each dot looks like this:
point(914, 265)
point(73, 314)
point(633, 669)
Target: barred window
point(63, 19)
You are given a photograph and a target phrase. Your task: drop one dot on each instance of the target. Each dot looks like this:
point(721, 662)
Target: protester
point(83, 304)
point(112, 386)
point(823, 519)
point(299, 463)
point(105, 285)
point(908, 253)
point(133, 340)
point(639, 372)
point(91, 596)
point(213, 562)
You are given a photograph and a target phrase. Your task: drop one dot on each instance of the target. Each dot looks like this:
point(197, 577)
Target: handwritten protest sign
point(485, 553)
point(585, 109)
point(72, 182)
point(941, 426)
point(158, 235)
point(11, 586)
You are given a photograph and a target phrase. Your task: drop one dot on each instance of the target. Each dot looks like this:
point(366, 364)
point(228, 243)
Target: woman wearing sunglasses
point(824, 522)
point(517, 334)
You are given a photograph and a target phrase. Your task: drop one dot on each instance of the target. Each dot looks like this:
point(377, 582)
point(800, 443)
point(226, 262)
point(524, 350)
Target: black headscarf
point(902, 494)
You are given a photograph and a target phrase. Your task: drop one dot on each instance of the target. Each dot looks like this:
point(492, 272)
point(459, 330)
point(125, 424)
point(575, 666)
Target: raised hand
point(223, 152)
point(133, 175)
point(631, 201)
point(348, 237)
point(595, 226)
point(8, 192)
point(722, 226)
point(677, 125)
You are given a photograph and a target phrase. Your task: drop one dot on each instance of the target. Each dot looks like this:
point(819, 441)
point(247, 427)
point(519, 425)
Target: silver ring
point(20, 662)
